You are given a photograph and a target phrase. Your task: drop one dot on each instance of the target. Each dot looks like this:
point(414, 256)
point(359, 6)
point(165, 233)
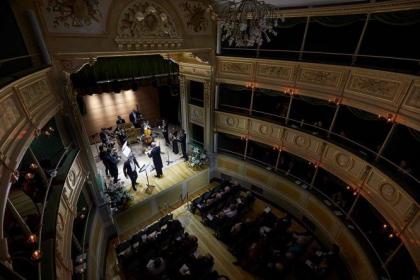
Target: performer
point(113, 168)
point(103, 155)
point(119, 120)
point(157, 160)
point(183, 140)
point(135, 118)
point(165, 132)
point(104, 136)
point(174, 141)
point(130, 170)
point(122, 136)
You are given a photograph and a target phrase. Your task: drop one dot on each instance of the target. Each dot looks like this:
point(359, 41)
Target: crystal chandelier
point(247, 23)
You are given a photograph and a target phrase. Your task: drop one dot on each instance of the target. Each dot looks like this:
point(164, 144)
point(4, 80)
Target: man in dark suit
point(119, 120)
point(103, 155)
point(130, 170)
point(157, 160)
point(104, 136)
point(135, 118)
point(183, 140)
point(165, 132)
point(112, 165)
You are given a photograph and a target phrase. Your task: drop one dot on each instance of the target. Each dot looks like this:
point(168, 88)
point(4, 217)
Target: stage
point(173, 173)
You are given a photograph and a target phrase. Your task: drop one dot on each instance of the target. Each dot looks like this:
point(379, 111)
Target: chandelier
point(247, 23)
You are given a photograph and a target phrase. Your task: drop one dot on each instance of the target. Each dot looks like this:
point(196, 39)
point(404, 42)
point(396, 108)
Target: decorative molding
point(274, 72)
point(196, 115)
point(35, 93)
point(376, 87)
point(196, 16)
point(320, 77)
point(67, 212)
point(236, 68)
point(10, 115)
point(374, 91)
point(146, 24)
point(77, 17)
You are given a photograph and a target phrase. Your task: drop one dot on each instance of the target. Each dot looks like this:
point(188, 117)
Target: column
point(208, 117)
point(183, 98)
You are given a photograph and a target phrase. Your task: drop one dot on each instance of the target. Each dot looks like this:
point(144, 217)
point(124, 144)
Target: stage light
point(385, 226)
point(391, 235)
point(36, 255)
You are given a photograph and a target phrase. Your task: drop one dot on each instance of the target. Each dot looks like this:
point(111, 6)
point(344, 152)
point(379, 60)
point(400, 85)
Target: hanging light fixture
point(247, 23)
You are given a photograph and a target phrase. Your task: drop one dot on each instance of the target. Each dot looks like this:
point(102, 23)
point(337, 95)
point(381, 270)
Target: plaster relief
point(35, 93)
point(9, 116)
point(389, 193)
point(274, 72)
point(75, 16)
point(323, 78)
point(380, 88)
point(196, 16)
point(344, 161)
point(236, 68)
point(144, 24)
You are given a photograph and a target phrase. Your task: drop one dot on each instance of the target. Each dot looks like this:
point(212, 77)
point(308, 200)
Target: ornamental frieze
point(380, 88)
point(236, 68)
point(33, 94)
point(9, 115)
point(146, 24)
point(196, 16)
point(274, 72)
point(413, 99)
point(324, 78)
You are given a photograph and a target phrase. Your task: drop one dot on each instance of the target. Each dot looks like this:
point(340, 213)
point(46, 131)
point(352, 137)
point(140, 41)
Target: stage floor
point(174, 173)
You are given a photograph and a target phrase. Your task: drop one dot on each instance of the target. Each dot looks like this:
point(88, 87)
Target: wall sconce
point(36, 255)
point(29, 176)
point(250, 85)
point(33, 166)
point(244, 138)
point(290, 91)
point(277, 148)
point(32, 238)
point(389, 117)
point(337, 101)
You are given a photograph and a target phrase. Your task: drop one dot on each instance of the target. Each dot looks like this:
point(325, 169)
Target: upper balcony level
point(369, 35)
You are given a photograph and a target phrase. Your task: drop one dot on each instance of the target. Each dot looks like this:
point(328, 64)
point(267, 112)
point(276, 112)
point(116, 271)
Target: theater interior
point(210, 139)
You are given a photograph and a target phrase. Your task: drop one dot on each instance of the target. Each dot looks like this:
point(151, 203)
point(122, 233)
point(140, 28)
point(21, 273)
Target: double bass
point(147, 137)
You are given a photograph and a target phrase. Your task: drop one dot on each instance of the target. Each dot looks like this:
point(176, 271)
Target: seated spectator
point(231, 211)
point(156, 267)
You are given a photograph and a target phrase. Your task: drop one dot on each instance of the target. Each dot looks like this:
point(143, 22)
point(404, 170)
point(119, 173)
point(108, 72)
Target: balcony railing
point(380, 62)
point(407, 180)
point(14, 68)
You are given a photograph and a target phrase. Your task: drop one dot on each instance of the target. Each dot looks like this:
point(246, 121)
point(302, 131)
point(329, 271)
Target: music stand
point(149, 188)
point(168, 161)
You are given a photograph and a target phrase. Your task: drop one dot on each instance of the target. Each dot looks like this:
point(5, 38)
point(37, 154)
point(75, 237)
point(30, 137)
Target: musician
point(120, 120)
point(112, 165)
point(183, 140)
point(165, 132)
point(135, 118)
point(122, 136)
point(174, 141)
point(130, 170)
point(103, 155)
point(104, 135)
point(157, 160)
